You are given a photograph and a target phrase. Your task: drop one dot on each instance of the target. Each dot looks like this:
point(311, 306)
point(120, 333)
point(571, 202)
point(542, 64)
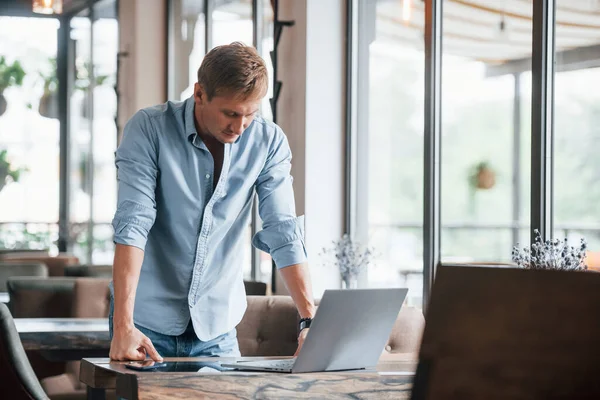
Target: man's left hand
point(301, 338)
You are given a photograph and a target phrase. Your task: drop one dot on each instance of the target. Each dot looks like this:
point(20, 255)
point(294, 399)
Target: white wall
point(311, 112)
point(142, 43)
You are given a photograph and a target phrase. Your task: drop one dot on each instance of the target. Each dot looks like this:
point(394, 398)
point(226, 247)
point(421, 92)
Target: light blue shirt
point(194, 238)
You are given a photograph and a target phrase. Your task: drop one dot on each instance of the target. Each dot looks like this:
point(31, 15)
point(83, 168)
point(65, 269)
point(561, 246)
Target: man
point(187, 173)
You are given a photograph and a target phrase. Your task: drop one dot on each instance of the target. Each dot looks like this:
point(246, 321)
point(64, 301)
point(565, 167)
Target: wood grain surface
point(390, 380)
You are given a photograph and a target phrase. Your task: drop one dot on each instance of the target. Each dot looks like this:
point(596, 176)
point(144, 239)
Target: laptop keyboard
point(279, 364)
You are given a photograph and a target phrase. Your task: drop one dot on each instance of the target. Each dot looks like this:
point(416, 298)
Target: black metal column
point(257, 24)
point(432, 169)
point(64, 71)
point(542, 103)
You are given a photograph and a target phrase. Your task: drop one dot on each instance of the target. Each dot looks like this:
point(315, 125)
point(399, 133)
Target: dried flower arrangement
point(551, 254)
point(350, 257)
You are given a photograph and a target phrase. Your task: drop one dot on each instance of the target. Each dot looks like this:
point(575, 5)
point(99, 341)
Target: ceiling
point(472, 28)
point(24, 7)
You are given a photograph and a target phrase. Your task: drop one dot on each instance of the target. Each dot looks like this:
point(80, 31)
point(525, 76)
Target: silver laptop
point(349, 331)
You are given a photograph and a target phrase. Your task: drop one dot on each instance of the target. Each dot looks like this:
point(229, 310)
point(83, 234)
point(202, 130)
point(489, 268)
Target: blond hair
point(233, 69)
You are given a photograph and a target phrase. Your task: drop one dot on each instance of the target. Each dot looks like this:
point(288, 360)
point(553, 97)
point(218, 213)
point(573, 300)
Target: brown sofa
point(269, 328)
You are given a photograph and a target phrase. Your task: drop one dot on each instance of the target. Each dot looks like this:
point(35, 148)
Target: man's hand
point(131, 344)
point(301, 338)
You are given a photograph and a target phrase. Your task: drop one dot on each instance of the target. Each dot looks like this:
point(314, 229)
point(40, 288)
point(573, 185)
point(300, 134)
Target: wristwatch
point(304, 323)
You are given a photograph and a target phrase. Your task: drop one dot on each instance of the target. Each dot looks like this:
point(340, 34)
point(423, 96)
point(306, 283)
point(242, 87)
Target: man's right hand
point(131, 344)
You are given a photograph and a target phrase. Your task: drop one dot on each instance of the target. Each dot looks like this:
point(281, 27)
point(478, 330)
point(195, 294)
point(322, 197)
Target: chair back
point(18, 379)
point(91, 298)
point(55, 264)
point(510, 333)
point(254, 288)
point(8, 270)
point(270, 328)
point(99, 271)
point(32, 297)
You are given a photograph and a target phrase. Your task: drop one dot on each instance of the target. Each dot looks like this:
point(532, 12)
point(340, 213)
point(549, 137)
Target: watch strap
point(304, 323)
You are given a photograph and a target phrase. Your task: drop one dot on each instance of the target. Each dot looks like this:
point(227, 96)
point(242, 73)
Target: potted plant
point(10, 75)
point(48, 106)
point(7, 172)
point(82, 83)
point(482, 176)
point(551, 254)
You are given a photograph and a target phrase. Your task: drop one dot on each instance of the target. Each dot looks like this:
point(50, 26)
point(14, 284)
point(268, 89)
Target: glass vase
point(349, 282)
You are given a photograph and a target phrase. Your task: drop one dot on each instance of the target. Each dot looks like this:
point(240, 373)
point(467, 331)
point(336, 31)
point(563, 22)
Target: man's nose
point(239, 126)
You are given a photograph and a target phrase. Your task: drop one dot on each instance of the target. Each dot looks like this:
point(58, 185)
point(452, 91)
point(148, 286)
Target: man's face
point(224, 117)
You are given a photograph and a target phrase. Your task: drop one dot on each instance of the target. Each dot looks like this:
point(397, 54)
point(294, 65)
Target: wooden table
point(392, 379)
point(4, 297)
point(65, 339)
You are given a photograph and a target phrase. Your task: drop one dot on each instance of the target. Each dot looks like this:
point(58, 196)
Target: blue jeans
point(187, 344)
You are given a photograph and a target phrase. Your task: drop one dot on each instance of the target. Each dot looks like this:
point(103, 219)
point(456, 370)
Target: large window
point(93, 133)
point(490, 193)
point(486, 129)
point(187, 36)
point(29, 134)
point(577, 125)
point(390, 143)
point(232, 22)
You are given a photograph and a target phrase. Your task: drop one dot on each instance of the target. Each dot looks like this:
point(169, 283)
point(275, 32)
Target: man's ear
point(199, 94)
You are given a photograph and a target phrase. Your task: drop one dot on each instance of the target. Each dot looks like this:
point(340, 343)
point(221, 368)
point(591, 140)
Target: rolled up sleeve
point(282, 235)
point(137, 170)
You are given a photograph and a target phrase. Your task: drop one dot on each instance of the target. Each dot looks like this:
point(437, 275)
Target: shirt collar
point(190, 126)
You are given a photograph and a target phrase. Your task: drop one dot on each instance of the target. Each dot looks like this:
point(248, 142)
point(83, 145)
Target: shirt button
point(207, 176)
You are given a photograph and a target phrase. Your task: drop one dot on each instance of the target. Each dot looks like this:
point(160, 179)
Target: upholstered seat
point(13, 269)
point(90, 299)
point(269, 327)
point(32, 297)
